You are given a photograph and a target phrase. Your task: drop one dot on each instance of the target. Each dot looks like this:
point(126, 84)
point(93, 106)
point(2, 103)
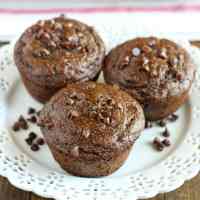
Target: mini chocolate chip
point(114, 123)
point(41, 53)
point(136, 52)
point(51, 44)
point(73, 114)
point(58, 26)
point(75, 151)
point(162, 123)
point(69, 101)
point(35, 147)
point(148, 124)
point(77, 96)
point(86, 133)
point(158, 144)
point(31, 111)
point(40, 141)
point(23, 123)
point(40, 33)
point(162, 53)
point(32, 135)
point(173, 61)
point(166, 142)
point(41, 23)
point(156, 140)
point(16, 126)
point(124, 63)
point(68, 45)
point(52, 21)
point(146, 49)
point(29, 141)
point(32, 119)
point(173, 117)
point(166, 133)
point(179, 76)
point(44, 52)
point(152, 42)
point(47, 36)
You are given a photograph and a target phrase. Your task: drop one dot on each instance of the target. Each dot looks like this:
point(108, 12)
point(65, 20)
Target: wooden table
point(189, 191)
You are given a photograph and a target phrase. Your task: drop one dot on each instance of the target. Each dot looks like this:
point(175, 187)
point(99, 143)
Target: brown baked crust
point(52, 53)
point(91, 127)
point(157, 72)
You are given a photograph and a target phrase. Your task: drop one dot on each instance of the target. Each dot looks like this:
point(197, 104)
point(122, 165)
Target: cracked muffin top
point(91, 117)
point(150, 68)
point(58, 51)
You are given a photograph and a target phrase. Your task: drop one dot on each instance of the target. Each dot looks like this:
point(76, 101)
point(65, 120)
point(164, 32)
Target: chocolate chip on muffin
point(159, 74)
point(93, 127)
point(52, 53)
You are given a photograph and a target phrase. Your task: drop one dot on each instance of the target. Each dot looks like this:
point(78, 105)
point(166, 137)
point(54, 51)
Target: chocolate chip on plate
point(16, 126)
point(166, 133)
point(166, 142)
point(23, 123)
point(40, 141)
point(32, 119)
point(158, 145)
point(29, 141)
point(32, 135)
point(31, 111)
point(35, 147)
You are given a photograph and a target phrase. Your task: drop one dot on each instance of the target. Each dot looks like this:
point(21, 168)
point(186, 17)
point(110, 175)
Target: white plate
point(145, 173)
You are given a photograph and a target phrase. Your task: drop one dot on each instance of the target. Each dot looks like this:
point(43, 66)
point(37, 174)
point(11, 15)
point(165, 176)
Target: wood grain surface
point(189, 191)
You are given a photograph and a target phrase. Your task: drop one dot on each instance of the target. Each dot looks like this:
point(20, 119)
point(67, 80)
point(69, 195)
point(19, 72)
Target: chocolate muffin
point(91, 127)
point(157, 72)
point(53, 53)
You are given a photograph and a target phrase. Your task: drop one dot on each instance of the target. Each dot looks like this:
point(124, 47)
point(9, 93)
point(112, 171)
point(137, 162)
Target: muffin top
point(91, 117)
point(59, 50)
point(150, 68)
